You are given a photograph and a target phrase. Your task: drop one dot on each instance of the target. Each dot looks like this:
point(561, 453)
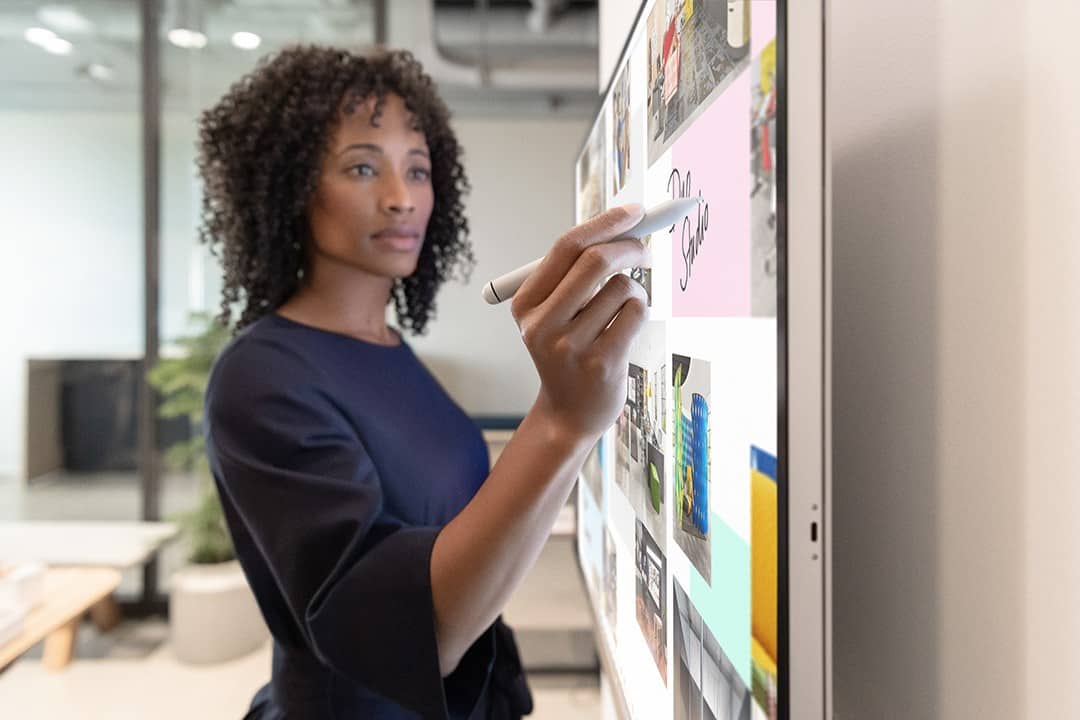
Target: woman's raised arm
point(579, 342)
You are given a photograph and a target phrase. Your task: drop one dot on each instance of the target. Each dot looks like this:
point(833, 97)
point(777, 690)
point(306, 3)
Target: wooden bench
point(85, 562)
point(69, 594)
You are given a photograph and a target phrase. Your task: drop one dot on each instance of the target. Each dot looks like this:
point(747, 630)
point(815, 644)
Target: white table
point(120, 545)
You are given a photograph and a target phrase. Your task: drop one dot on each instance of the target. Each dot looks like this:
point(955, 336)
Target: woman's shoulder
point(266, 395)
point(261, 360)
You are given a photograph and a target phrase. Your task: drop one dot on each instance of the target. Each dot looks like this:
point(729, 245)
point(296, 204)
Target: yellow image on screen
point(763, 578)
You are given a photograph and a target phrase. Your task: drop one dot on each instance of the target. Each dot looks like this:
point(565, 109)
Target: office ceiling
point(499, 57)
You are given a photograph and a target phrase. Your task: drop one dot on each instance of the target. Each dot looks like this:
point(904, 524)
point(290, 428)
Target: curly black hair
point(260, 151)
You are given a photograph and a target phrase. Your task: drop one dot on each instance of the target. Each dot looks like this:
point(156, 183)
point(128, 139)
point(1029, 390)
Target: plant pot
point(213, 616)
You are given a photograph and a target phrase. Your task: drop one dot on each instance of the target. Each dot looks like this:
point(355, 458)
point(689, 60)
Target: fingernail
point(634, 211)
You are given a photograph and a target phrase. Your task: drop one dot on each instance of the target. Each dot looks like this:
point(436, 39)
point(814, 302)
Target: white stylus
point(663, 215)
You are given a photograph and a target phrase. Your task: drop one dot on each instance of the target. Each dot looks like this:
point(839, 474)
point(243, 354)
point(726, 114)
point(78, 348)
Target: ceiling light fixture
point(187, 39)
point(65, 18)
point(57, 46)
point(246, 40)
point(187, 27)
point(47, 40)
point(102, 72)
point(38, 36)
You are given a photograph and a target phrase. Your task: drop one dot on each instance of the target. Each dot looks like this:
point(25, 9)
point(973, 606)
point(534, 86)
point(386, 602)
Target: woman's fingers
point(580, 339)
point(603, 228)
point(595, 317)
point(595, 265)
point(614, 342)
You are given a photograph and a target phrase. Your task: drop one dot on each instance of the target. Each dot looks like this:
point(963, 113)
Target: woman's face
point(374, 196)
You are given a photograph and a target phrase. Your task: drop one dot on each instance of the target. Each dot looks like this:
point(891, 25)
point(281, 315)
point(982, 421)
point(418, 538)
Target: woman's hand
point(580, 345)
point(579, 341)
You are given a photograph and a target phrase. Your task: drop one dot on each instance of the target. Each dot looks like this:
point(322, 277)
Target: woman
point(379, 547)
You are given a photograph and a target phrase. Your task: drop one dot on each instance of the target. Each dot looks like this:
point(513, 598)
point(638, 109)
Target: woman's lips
point(401, 240)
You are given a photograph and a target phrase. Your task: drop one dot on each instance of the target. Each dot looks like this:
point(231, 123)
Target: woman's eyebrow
point(360, 146)
point(376, 149)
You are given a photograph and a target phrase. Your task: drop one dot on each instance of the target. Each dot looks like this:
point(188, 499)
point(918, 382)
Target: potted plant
point(213, 616)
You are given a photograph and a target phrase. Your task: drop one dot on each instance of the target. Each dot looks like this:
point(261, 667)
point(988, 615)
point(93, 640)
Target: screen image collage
point(678, 508)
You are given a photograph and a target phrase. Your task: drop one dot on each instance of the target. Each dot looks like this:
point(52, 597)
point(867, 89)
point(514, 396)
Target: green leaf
point(181, 384)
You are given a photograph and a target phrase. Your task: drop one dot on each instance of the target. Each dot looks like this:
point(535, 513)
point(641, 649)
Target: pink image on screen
point(710, 253)
point(762, 25)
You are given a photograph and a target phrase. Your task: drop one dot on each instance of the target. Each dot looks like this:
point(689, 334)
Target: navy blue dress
point(338, 461)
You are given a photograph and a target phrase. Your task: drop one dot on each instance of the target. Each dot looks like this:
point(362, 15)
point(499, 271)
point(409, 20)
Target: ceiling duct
point(411, 24)
point(497, 47)
point(539, 19)
point(495, 63)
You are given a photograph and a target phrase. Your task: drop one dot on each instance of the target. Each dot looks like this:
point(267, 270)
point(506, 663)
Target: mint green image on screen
point(725, 606)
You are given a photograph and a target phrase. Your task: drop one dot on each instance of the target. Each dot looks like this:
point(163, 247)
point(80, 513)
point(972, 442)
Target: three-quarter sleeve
point(356, 582)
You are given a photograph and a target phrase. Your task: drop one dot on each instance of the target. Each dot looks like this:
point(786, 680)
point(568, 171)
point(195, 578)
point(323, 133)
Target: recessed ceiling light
point(65, 18)
point(187, 39)
point(102, 72)
point(57, 46)
point(187, 29)
point(38, 36)
point(246, 40)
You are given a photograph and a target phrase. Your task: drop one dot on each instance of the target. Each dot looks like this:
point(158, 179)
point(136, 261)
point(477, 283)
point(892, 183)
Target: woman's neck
point(349, 306)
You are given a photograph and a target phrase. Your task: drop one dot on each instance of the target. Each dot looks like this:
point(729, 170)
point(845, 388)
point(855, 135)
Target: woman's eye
point(362, 169)
point(421, 174)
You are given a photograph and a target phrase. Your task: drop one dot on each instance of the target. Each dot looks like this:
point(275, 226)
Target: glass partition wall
point(204, 48)
point(71, 199)
point(100, 204)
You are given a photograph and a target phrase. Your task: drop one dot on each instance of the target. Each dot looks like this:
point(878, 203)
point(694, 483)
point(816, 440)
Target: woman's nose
point(396, 198)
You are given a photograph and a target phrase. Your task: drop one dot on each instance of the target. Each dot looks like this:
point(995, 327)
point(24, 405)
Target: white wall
point(71, 202)
point(1051, 344)
point(616, 19)
point(927, 448)
point(957, 342)
point(522, 200)
point(72, 217)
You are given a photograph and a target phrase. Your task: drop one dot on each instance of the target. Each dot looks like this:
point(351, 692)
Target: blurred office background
point(956, 245)
point(99, 103)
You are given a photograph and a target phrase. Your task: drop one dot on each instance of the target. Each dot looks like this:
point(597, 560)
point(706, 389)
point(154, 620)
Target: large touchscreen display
point(678, 511)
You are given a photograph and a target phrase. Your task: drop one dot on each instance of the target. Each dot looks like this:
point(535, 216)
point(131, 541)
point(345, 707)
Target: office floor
point(131, 672)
